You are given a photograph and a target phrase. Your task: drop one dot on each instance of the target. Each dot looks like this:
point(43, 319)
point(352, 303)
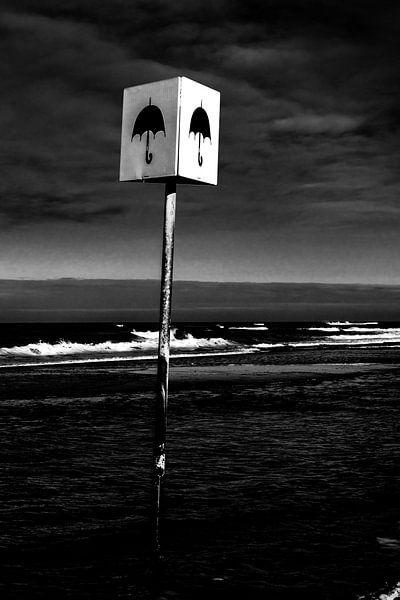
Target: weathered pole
point(160, 427)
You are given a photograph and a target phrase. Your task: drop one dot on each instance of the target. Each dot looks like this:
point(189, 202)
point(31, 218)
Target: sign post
point(160, 426)
point(170, 134)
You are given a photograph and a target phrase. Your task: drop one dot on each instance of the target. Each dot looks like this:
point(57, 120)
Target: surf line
point(81, 361)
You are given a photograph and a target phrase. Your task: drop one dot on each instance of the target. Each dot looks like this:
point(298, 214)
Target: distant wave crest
point(348, 323)
point(350, 334)
point(325, 329)
point(253, 328)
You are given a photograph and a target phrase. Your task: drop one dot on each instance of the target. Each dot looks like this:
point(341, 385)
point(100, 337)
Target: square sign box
point(170, 129)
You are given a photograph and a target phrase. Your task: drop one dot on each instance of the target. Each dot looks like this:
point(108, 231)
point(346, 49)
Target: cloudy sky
point(309, 174)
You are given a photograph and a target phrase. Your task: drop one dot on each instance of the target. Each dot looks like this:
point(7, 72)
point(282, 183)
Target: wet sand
point(237, 373)
point(121, 378)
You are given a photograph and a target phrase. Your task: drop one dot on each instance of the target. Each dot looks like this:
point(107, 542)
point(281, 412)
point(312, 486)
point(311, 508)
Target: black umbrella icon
point(200, 124)
point(149, 119)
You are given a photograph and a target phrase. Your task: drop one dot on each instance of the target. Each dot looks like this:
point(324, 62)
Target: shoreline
point(64, 382)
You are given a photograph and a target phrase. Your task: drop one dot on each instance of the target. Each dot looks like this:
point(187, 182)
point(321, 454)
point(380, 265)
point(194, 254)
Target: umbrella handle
point(149, 155)
point(199, 157)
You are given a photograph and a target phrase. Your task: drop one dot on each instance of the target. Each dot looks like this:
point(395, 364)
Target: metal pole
point(160, 428)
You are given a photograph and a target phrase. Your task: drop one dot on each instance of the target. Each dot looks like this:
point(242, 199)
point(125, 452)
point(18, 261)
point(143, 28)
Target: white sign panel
point(149, 131)
point(170, 129)
point(199, 132)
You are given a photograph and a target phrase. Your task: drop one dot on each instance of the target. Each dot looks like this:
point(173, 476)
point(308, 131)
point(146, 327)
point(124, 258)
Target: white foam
point(340, 341)
point(149, 335)
point(254, 328)
point(188, 341)
point(65, 348)
point(391, 595)
point(346, 323)
point(265, 346)
point(326, 329)
point(393, 330)
point(350, 337)
point(390, 543)
point(389, 335)
point(355, 336)
point(145, 341)
point(108, 359)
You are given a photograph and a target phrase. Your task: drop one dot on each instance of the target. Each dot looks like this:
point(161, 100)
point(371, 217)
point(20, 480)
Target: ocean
point(283, 462)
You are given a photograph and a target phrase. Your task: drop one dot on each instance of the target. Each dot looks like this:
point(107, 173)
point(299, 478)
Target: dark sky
point(309, 174)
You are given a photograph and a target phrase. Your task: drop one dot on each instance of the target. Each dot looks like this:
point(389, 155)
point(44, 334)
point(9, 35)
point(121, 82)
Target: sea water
point(279, 488)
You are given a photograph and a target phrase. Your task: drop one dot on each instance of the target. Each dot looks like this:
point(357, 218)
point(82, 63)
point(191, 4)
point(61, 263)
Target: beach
point(199, 300)
point(282, 468)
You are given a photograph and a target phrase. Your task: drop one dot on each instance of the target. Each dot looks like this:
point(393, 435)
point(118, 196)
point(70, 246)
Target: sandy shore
point(185, 376)
point(69, 381)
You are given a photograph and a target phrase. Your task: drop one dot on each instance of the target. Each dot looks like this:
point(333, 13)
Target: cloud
point(62, 90)
point(308, 122)
point(316, 124)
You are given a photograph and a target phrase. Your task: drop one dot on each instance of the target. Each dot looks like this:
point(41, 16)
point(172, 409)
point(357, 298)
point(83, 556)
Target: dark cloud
point(23, 208)
point(61, 117)
point(309, 124)
point(309, 121)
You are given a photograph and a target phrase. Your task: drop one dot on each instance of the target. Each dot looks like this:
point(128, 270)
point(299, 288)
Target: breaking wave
point(254, 328)
point(134, 344)
point(326, 329)
point(351, 336)
point(266, 346)
point(347, 323)
point(142, 341)
point(392, 594)
point(355, 337)
point(371, 330)
point(348, 333)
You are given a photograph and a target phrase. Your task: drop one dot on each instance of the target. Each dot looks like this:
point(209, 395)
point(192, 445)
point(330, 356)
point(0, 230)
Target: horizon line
point(205, 281)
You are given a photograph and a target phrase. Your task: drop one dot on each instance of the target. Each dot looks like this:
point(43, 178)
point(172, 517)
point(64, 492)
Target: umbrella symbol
point(200, 124)
point(149, 119)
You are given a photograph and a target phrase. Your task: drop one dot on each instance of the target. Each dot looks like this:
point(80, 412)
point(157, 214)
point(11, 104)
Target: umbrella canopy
point(199, 123)
point(149, 119)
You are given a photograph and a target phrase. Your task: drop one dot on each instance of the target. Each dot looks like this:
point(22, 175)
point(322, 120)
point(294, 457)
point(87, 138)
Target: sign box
point(170, 129)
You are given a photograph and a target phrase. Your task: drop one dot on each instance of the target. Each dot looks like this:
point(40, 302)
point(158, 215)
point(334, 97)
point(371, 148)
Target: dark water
point(289, 488)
